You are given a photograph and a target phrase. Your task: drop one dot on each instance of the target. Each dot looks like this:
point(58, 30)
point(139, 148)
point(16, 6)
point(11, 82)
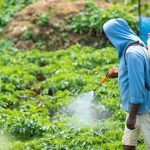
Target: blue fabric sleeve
point(135, 64)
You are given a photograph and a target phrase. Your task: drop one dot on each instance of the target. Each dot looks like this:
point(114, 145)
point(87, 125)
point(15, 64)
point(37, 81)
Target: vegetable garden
point(36, 86)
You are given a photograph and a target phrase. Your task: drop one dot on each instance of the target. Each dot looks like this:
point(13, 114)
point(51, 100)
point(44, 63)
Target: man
point(133, 79)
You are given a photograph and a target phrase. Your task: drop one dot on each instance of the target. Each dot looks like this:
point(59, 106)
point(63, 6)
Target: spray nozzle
point(108, 75)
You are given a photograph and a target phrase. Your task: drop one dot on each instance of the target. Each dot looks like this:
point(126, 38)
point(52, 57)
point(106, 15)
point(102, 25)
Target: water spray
point(85, 111)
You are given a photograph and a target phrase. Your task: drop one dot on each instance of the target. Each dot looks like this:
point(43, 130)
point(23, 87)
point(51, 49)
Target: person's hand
point(112, 73)
point(131, 121)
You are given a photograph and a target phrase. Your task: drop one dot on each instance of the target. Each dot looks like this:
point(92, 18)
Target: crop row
point(36, 88)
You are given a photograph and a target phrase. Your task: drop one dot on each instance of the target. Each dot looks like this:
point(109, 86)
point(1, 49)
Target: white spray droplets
point(84, 111)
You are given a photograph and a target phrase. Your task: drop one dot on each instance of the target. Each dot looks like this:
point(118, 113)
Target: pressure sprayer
point(105, 78)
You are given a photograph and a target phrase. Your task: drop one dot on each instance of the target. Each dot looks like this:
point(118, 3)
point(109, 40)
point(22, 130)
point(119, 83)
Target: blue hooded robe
point(133, 75)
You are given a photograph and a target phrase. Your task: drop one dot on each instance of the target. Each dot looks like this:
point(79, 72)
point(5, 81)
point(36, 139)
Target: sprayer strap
point(132, 44)
point(147, 86)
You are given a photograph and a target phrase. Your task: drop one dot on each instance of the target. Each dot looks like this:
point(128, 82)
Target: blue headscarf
point(120, 34)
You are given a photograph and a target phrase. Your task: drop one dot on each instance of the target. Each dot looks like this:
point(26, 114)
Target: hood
point(120, 34)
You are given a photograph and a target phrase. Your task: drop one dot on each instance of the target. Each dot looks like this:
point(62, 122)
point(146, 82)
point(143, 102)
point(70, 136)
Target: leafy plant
point(25, 126)
point(43, 20)
point(27, 35)
point(92, 20)
point(36, 89)
point(9, 8)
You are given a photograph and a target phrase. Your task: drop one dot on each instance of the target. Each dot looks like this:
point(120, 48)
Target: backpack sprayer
point(105, 78)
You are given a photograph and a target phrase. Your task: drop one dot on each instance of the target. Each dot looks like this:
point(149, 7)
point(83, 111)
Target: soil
point(26, 34)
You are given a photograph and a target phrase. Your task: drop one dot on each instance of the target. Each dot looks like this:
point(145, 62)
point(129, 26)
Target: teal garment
point(133, 75)
point(144, 27)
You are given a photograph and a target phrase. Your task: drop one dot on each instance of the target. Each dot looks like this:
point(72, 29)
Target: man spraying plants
point(133, 79)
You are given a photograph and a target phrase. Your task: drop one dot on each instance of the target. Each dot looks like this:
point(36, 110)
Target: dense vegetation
point(93, 18)
point(37, 86)
point(9, 8)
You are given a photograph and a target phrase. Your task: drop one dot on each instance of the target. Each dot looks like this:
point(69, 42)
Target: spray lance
point(111, 71)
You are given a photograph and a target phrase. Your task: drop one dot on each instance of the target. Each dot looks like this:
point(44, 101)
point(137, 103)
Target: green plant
point(43, 20)
point(25, 126)
point(56, 26)
point(88, 20)
point(9, 8)
point(28, 34)
point(36, 88)
point(92, 20)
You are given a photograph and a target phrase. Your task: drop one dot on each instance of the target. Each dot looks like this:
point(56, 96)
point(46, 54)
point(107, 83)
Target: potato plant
point(92, 19)
point(9, 8)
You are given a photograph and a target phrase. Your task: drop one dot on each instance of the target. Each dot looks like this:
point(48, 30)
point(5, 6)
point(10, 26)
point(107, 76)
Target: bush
point(26, 126)
point(42, 20)
point(92, 20)
point(9, 8)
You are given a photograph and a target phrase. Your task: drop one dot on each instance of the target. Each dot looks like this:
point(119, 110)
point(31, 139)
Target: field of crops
point(46, 96)
point(36, 88)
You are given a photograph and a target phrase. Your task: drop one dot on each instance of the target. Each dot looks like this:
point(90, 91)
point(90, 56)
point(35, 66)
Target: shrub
point(42, 20)
point(92, 20)
point(26, 126)
point(9, 8)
